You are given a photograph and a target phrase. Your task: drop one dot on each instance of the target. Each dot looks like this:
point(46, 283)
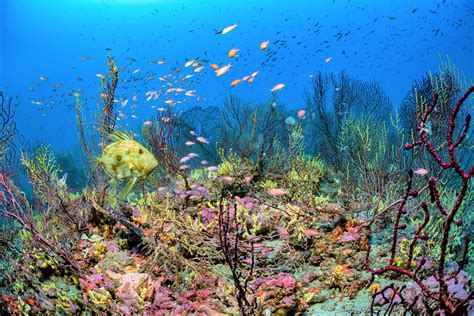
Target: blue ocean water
point(391, 42)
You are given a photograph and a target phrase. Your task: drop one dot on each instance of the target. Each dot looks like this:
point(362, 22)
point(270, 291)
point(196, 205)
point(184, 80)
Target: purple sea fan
point(208, 215)
point(250, 203)
point(163, 298)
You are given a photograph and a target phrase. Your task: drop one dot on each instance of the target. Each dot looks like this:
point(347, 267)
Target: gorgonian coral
point(443, 290)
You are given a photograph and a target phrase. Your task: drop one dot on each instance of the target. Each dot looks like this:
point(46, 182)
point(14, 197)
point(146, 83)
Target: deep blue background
point(381, 40)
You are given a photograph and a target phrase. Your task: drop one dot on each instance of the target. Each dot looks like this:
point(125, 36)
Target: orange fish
point(328, 59)
point(223, 70)
point(214, 66)
point(264, 45)
point(282, 230)
point(278, 87)
point(421, 172)
point(311, 232)
point(235, 82)
point(226, 178)
point(202, 139)
point(232, 53)
point(277, 192)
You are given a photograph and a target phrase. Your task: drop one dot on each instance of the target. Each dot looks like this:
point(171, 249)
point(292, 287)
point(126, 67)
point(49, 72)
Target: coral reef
point(268, 228)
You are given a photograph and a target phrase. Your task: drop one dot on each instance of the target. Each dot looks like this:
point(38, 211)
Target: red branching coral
point(232, 254)
point(438, 297)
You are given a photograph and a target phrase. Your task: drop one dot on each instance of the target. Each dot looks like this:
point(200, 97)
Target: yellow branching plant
point(108, 84)
point(43, 172)
point(302, 174)
point(170, 233)
point(372, 160)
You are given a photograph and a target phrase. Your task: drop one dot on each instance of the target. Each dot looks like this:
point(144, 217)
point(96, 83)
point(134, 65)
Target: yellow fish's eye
point(118, 158)
point(140, 151)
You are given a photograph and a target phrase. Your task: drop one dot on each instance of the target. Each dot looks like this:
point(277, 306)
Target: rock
point(131, 284)
point(322, 296)
point(333, 208)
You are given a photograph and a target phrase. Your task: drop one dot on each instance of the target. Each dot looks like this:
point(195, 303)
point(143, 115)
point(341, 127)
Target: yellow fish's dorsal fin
point(93, 162)
point(118, 136)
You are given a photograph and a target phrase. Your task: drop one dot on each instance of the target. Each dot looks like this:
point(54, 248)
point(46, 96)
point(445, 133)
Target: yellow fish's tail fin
point(118, 136)
point(93, 162)
point(127, 188)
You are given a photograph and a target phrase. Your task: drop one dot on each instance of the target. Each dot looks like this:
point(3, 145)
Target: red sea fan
point(444, 291)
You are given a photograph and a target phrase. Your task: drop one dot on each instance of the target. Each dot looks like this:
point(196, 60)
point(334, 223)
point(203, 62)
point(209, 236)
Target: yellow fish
point(125, 159)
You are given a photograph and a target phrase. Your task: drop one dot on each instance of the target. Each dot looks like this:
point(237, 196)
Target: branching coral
point(159, 135)
point(300, 174)
point(330, 100)
point(249, 131)
point(108, 84)
point(107, 117)
point(42, 171)
point(232, 256)
point(372, 161)
point(440, 297)
point(86, 148)
point(50, 191)
point(14, 205)
point(7, 133)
